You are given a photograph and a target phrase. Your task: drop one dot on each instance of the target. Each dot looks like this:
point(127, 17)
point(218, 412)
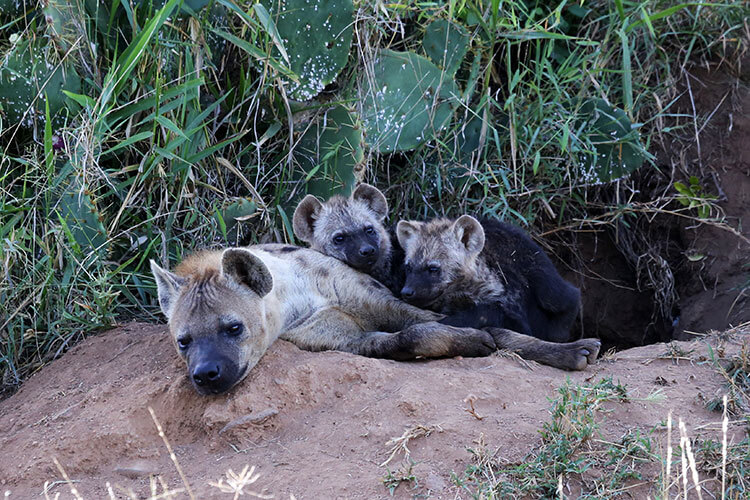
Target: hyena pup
point(486, 274)
point(352, 230)
point(489, 305)
point(225, 308)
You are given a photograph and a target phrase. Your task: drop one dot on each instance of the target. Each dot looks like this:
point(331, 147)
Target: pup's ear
point(373, 198)
point(247, 269)
point(470, 233)
point(168, 286)
point(304, 218)
point(406, 232)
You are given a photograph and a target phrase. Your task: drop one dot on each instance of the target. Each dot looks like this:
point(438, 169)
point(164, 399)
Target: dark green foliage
point(79, 216)
point(12, 8)
point(329, 153)
point(408, 100)
point(316, 36)
point(230, 219)
point(29, 73)
point(616, 144)
point(446, 44)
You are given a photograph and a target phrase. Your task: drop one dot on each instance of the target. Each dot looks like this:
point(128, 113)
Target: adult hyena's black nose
point(407, 292)
point(367, 251)
point(206, 372)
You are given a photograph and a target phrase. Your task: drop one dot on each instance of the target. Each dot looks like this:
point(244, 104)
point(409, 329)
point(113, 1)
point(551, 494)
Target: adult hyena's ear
point(406, 232)
point(247, 269)
point(304, 217)
point(373, 198)
point(470, 233)
point(168, 286)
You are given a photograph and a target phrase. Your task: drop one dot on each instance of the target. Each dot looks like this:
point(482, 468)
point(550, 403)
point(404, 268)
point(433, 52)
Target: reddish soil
point(328, 416)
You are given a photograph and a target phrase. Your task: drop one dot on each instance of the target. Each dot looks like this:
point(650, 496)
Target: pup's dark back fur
point(510, 283)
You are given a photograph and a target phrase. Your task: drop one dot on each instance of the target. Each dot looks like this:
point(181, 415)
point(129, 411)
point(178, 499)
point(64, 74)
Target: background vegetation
point(133, 130)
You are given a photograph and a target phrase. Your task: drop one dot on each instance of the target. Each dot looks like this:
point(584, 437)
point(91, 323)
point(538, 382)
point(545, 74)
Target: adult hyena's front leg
point(334, 328)
point(568, 356)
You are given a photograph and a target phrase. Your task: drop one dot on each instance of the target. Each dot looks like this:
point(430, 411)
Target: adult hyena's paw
point(433, 340)
point(472, 343)
point(579, 354)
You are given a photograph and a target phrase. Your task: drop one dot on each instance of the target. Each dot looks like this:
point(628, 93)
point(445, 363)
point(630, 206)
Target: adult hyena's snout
point(213, 373)
point(207, 373)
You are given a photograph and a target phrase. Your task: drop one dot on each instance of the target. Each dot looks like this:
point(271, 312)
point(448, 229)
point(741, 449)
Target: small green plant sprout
point(404, 474)
point(407, 101)
point(616, 150)
point(312, 38)
point(692, 196)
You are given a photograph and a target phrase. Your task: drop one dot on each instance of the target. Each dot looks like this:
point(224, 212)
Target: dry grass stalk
point(172, 455)
point(399, 444)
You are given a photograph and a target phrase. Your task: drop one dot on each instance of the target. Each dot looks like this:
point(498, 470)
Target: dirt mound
point(315, 424)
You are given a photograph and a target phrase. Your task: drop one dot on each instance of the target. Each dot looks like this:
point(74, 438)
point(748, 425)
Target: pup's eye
point(339, 239)
point(370, 230)
point(184, 341)
point(433, 269)
point(234, 329)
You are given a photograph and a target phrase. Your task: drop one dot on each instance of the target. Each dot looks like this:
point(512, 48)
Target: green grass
point(181, 118)
point(574, 452)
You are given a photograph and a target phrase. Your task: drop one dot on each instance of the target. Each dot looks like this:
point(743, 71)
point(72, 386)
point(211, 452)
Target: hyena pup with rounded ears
point(353, 231)
point(476, 304)
point(486, 274)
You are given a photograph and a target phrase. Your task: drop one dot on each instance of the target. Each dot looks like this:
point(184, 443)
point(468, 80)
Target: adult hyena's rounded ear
point(304, 217)
point(406, 232)
point(168, 287)
point(247, 269)
point(470, 233)
point(373, 198)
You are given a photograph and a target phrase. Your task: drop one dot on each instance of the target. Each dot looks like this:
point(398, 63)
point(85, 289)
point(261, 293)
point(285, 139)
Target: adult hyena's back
point(310, 277)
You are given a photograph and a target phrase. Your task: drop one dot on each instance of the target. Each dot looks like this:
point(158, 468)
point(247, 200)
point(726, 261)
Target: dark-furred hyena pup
point(486, 274)
point(352, 230)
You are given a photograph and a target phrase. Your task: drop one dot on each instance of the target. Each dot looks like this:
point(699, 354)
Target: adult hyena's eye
point(433, 269)
point(339, 239)
point(184, 341)
point(370, 230)
point(234, 329)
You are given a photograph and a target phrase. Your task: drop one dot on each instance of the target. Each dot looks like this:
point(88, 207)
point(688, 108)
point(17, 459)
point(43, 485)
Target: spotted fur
point(225, 308)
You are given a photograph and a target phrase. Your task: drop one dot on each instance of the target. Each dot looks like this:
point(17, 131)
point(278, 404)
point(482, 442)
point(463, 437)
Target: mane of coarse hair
point(201, 266)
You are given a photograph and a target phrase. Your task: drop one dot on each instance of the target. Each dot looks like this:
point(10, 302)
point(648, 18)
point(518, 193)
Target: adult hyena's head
point(349, 229)
point(216, 313)
point(438, 254)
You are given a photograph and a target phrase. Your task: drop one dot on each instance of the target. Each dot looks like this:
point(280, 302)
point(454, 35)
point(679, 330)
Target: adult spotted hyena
point(225, 308)
point(486, 274)
point(352, 230)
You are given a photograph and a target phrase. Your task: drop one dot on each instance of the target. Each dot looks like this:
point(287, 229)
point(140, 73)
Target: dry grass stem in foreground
point(399, 444)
